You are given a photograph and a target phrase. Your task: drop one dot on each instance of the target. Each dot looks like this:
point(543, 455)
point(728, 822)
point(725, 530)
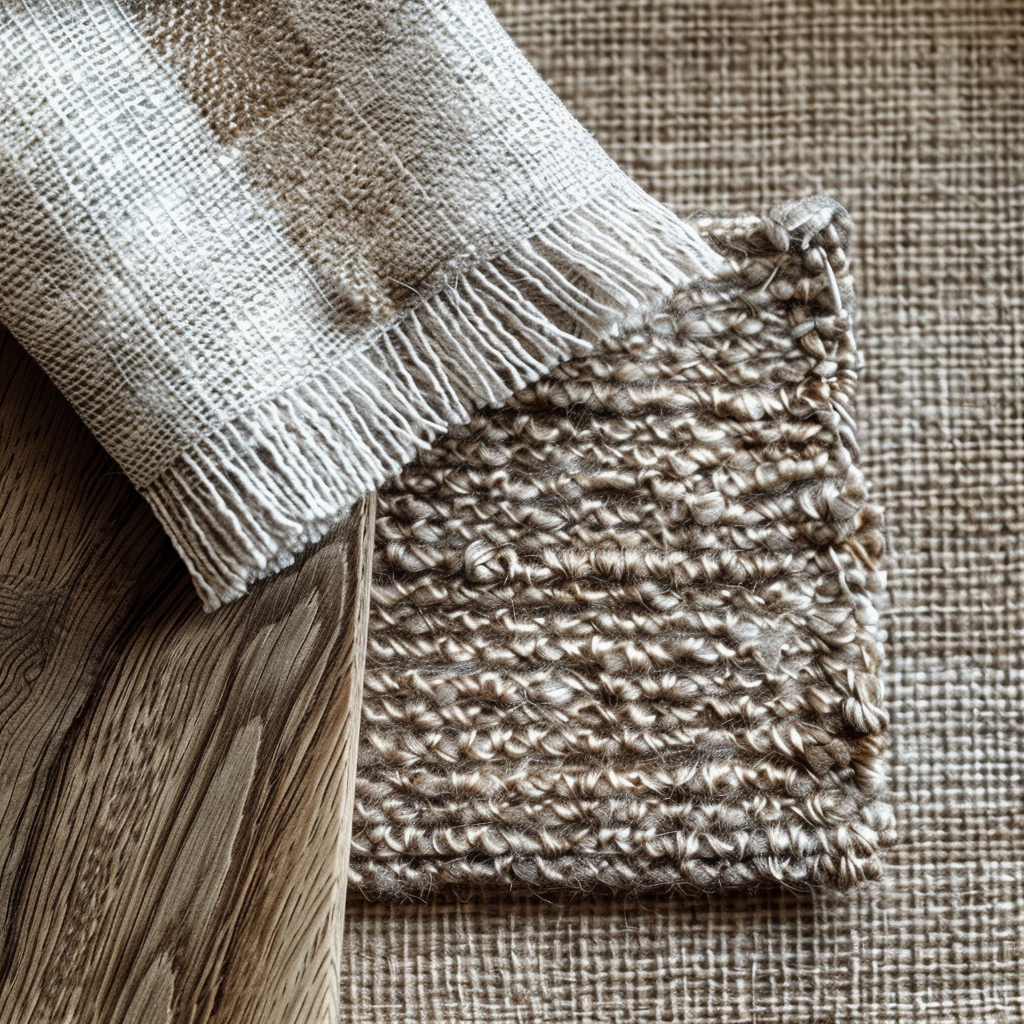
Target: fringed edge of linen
point(243, 502)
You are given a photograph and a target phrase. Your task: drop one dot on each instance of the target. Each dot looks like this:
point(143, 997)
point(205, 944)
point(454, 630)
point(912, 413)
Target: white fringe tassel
point(243, 503)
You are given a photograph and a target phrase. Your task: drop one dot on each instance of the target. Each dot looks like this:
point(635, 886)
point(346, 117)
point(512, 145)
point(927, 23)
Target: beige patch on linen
point(397, 141)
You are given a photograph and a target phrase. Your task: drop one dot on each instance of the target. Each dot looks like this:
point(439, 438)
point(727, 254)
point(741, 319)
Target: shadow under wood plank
point(175, 786)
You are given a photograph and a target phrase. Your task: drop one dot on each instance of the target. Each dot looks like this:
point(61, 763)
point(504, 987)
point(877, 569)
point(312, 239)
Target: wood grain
point(175, 787)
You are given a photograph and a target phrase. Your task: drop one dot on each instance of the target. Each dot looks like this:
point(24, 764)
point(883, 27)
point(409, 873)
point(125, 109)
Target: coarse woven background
point(912, 114)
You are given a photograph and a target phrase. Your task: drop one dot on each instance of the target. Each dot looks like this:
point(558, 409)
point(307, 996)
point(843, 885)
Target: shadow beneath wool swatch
point(624, 633)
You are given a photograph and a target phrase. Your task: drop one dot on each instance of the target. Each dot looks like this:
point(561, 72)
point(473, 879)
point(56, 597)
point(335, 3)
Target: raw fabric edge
point(244, 501)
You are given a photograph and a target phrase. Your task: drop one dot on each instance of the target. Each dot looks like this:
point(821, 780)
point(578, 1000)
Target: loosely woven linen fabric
point(911, 114)
point(268, 250)
point(624, 632)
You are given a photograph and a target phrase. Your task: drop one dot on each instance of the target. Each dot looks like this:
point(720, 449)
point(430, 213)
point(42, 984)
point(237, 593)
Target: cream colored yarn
point(624, 632)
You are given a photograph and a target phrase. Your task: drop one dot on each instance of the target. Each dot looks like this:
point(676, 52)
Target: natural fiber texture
point(911, 113)
point(624, 632)
point(269, 250)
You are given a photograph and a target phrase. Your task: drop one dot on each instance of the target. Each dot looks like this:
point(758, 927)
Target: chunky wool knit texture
point(269, 250)
point(624, 632)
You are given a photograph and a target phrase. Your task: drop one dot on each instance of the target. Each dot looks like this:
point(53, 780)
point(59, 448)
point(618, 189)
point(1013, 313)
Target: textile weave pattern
point(269, 251)
point(912, 114)
point(624, 632)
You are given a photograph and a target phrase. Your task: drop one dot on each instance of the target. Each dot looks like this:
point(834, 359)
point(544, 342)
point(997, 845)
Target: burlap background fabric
point(911, 114)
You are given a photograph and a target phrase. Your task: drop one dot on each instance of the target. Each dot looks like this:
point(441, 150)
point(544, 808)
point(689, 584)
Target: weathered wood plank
point(175, 787)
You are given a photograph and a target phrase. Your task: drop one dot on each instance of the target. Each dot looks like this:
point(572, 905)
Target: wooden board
point(175, 786)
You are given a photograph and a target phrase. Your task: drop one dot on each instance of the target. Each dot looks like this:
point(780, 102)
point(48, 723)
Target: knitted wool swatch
point(624, 632)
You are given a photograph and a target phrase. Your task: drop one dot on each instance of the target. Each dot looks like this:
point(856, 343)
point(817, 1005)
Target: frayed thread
point(243, 501)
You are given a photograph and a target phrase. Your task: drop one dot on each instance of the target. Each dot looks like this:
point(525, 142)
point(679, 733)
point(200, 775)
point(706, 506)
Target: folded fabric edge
point(242, 503)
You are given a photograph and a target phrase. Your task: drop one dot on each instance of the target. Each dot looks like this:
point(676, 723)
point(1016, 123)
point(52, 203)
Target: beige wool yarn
point(624, 631)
